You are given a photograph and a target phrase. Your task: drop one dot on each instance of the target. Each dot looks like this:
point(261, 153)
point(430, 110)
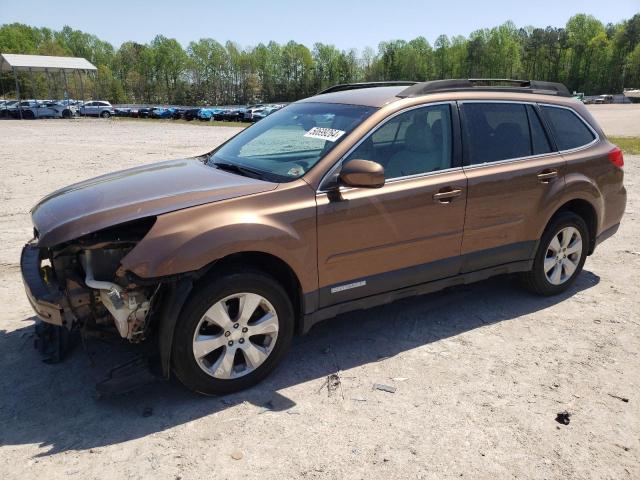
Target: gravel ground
point(481, 371)
point(620, 120)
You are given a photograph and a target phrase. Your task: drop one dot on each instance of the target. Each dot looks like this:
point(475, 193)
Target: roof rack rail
point(486, 84)
point(355, 86)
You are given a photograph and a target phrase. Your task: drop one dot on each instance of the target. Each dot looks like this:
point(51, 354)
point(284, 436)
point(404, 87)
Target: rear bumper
point(45, 297)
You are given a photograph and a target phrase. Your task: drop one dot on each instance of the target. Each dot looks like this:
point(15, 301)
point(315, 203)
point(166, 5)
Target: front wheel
point(232, 333)
point(560, 257)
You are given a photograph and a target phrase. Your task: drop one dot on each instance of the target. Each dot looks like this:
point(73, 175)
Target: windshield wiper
point(244, 171)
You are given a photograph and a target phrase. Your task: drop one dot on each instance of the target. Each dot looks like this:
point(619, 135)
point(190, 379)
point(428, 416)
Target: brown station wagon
point(360, 195)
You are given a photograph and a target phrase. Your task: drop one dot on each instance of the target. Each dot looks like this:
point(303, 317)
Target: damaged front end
point(81, 286)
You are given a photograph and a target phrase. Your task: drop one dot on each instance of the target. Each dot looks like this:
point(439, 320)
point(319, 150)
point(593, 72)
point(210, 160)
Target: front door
point(407, 232)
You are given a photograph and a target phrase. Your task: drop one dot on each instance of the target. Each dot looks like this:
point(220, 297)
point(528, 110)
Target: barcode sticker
point(330, 134)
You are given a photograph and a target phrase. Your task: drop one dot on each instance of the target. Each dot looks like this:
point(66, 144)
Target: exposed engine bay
point(98, 293)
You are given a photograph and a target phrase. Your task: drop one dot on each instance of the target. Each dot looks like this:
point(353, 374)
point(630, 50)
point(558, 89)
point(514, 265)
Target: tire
point(563, 265)
point(66, 114)
point(105, 114)
point(227, 368)
point(27, 115)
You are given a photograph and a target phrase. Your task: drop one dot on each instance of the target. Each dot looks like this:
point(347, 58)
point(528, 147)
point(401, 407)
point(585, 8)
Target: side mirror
point(362, 173)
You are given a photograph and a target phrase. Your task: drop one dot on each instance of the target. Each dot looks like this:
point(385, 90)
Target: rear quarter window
point(568, 129)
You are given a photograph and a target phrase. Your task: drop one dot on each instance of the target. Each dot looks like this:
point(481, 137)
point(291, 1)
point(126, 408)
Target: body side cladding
point(418, 274)
point(311, 319)
point(387, 281)
point(504, 254)
point(608, 233)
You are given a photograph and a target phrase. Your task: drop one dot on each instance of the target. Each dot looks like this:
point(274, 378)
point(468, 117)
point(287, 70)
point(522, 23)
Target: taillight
point(616, 157)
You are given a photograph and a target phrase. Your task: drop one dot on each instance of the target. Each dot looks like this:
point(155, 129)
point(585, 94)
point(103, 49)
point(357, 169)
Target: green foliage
point(586, 55)
point(630, 145)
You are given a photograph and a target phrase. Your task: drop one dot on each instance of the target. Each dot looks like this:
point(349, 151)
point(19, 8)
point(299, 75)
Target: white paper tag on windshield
point(330, 134)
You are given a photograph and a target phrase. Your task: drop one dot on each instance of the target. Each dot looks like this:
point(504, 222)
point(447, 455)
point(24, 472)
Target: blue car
point(162, 112)
point(206, 114)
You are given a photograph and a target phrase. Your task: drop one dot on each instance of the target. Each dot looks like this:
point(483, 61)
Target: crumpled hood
point(136, 193)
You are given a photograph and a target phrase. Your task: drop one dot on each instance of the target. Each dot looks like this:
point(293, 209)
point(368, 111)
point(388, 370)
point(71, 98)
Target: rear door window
point(568, 129)
point(495, 131)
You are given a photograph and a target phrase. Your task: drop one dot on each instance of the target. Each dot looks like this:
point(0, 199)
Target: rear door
point(407, 232)
point(513, 170)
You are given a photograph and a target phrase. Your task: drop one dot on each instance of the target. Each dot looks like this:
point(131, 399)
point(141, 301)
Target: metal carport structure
point(11, 62)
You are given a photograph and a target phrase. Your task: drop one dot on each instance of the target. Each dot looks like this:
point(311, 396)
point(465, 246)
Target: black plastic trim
point(393, 280)
point(484, 84)
point(424, 288)
point(605, 234)
point(428, 272)
point(498, 256)
point(356, 86)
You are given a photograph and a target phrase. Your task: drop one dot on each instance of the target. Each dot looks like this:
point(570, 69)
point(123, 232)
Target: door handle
point(447, 196)
point(547, 176)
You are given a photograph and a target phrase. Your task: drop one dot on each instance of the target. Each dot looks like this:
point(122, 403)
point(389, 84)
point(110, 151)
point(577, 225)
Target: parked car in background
point(261, 113)
point(601, 99)
point(178, 113)
point(358, 196)
point(32, 109)
point(97, 108)
point(6, 106)
point(247, 114)
point(190, 114)
point(122, 112)
point(206, 114)
point(231, 115)
point(144, 112)
point(162, 112)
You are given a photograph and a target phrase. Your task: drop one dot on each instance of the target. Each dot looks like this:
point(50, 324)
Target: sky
point(343, 23)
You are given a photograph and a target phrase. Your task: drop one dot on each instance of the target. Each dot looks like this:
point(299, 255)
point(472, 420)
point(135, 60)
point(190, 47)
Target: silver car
point(97, 108)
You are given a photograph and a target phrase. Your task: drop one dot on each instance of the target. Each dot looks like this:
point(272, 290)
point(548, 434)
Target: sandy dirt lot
point(622, 120)
point(481, 371)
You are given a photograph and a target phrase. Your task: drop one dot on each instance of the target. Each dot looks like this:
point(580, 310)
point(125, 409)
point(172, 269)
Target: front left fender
point(280, 224)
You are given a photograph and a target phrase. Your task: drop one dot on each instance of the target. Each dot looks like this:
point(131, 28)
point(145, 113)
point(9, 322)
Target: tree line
point(585, 54)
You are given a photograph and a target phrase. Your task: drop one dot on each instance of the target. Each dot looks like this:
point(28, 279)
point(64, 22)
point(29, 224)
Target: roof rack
point(486, 84)
point(355, 86)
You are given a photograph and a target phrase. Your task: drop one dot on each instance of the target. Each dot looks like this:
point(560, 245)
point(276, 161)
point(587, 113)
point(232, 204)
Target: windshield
point(288, 143)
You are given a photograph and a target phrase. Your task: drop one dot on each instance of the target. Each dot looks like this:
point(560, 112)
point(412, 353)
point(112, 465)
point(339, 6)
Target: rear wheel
point(105, 114)
point(232, 333)
point(66, 113)
point(560, 257)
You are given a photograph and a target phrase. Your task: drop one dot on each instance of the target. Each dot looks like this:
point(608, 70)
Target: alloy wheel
point(563, 255)
point(235, 336)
